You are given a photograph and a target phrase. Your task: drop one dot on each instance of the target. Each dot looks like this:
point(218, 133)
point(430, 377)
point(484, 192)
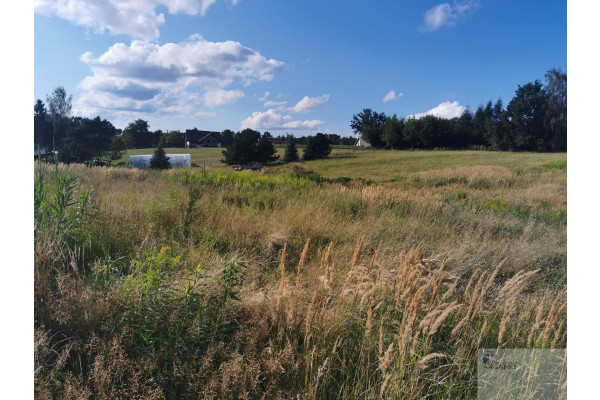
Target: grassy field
point(372, 274)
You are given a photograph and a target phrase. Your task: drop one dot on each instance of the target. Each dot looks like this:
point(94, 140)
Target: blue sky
point(287, 66)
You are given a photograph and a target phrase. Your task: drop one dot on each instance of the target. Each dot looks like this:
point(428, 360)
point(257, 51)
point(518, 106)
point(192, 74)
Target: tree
point(42, 126)
point(174, 139)
point(88, 140)
point(117, 148)
point(372, 134)
point(556, 112)
point(137, 136)
point(59, 108)
point(159, 159)
point(265, 151)
point(334, 139)
point(227, 137)
point(369, 124)
point(291, 151)
point(392, 135)
point(243, 148)
point(59, 104)
point(526, 113)
point(317, 147)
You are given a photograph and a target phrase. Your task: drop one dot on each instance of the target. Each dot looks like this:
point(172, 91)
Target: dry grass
point(350, 291)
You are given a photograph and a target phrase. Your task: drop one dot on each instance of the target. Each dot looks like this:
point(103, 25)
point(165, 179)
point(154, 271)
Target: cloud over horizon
point(135, 18)
point(272, 120)
point(446, 110)
point(143, 75)
point(446, 15)
point(309, 103)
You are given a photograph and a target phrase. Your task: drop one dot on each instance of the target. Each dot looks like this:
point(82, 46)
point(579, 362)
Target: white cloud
point(391, 96)
point(136, 18)
point(446, 110)
point(446, 14)
point(271, 120)
point(275, 104)
point(309, 103)
point(214, 98)
point(147, 76)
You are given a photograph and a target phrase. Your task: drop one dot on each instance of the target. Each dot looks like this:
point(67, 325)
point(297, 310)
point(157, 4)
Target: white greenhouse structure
point(176, 161)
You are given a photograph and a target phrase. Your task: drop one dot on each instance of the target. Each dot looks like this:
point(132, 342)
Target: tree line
point(249, 146)
point(90, 141)
point(535, 119)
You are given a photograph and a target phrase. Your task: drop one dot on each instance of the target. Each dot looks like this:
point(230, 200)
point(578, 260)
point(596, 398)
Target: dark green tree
point(369, 124)
point(227, 137)
point(159, 159)
point(174, 139)
point(88, 141)
point(136, 135)
point(59, 110)
point(243, 148)
point(291, 151)
point(157, 136)
point(334, 139)
point(556, 112)
point(117, 148)
point(527, 113)
point(42, 126)
point(265, 151)
point(316, 147)
point(460, 132)
point(392, 135)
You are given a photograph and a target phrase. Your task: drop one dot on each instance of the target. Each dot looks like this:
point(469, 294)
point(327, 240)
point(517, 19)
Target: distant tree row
point(249, 146)
point(534, 120)
point(90, 141)
point(76, 139)
point(137, 135)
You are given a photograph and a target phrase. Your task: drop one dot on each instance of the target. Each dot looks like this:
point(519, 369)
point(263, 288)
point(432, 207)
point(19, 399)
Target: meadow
point(371, 274)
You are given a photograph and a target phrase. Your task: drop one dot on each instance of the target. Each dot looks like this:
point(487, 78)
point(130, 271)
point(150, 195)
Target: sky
point(290, 66)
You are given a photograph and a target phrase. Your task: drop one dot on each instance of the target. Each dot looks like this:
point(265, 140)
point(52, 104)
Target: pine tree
point(266, 152)
point(291, 151)
point(160, 160)
point(317, 147)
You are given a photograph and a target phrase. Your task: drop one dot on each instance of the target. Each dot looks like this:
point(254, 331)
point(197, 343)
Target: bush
point(317, 147)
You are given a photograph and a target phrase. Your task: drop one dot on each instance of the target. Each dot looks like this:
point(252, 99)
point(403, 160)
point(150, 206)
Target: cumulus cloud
point(446, 110)
point(147, 76)
point(214, 98)
point(391, 96)
point(128, 17)
point(272, 120)
point(309, 103)
point(446, 14)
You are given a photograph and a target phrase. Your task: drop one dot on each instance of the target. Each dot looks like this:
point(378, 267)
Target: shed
point(176, 160)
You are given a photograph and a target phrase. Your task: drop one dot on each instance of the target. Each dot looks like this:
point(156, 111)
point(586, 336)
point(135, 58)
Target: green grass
point(385, 166)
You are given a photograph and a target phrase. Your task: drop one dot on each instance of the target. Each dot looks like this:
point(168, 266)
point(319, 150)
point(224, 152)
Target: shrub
point(317, 147)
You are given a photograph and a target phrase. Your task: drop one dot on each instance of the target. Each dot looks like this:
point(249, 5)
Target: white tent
point(362, 142)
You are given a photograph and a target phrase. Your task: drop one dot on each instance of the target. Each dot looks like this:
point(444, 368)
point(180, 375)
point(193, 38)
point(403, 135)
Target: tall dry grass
point(349, 292)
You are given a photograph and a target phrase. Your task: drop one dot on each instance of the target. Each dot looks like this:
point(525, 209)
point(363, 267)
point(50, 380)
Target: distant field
point(379, 166)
